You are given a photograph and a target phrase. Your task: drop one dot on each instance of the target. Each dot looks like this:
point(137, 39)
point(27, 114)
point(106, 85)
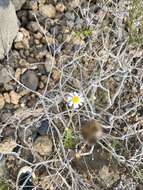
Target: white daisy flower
point(75, 100)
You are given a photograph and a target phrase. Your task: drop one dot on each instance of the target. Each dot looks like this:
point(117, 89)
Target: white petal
point(71, 94)
point(69, 98)
point(75, 94)
point(70, 104)
point(80, 103)
point(75, 106)
point(81, 99)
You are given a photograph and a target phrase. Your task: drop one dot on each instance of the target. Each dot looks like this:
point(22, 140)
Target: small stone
point(47, 10)
point(41, 85)
point(32, 5)
point(4, 76)
point(41, 1)
point(43, 128)
point(44, 79)
point(50, 62)
point(8, 86)
point(50, 40)
point(74, 3)
point(43, 145)
point(14, 97)
point(23, 63)
point(19, 37)
point(37, 42)
point(78, 41)
point(60, 7)
point(6, 98)
point(2, 102)
point(108, 176)
point(30, 79)
point(70, 16)
point(33, 26)
point(38, 36)
point(22, 39)
point(56, 75)
point(41, 54)
point(17, 74)
point(7, 145)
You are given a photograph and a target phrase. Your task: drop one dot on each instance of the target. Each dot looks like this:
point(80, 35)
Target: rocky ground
point(48, 50)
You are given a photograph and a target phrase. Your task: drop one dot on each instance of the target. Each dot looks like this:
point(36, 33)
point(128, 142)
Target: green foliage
point(135, 22)
point(86, 32)
point(3, 185)
point(68, 139)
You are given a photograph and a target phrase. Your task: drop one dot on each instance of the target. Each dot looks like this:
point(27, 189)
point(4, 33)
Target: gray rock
point(18, 3)
point(8, 26)
point(43, 145)
point(30, 79)
point(33, 26)
point(4, 76)
point(47, 10)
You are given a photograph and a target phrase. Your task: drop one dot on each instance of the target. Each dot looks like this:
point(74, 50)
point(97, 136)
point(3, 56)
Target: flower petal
point(69, 98)
point(75, 106)
point(70, 104)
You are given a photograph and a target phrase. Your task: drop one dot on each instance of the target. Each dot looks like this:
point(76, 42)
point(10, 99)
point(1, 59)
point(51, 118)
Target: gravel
point(43, 145)
point(47, 10)
point(4, 76)
point(30, 79)
point(2, 101)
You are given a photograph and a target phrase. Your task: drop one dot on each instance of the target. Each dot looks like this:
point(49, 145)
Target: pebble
point(4, 76)
point(33, 5)
point(6, 97)
point(23, 63)
point(8, 86)
point(2, 101)
point(70, 16)
point(22, 39)
point(41, 1)
point(43, 128)
point(78, 41)
point(60, 7)
point(50, 40)
point(47, 10)
point(7, 145)
point(41, 85)
point(30, 79)
point(50, 62)
point(14, 97)
point(74, 3)
point(108, 176)
point(33, 26)
point(56, 75)
point(43, 145)
point(38, 36)
point(17, 74)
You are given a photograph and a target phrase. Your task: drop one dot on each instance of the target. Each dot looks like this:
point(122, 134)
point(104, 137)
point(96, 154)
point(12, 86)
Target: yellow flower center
point(75, 99)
